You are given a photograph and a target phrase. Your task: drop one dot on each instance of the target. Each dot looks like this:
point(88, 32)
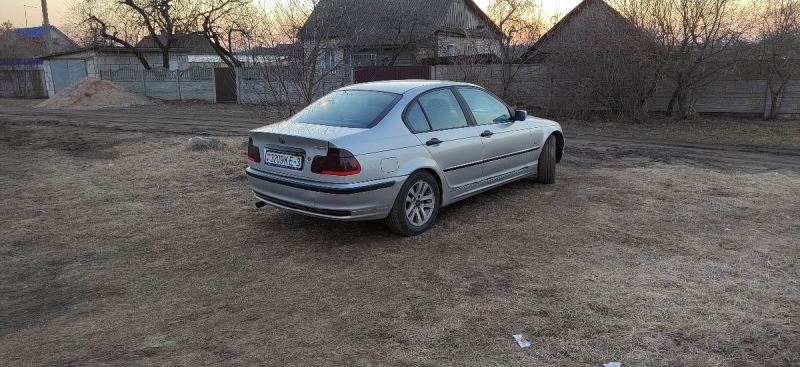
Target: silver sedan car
point(399, 151)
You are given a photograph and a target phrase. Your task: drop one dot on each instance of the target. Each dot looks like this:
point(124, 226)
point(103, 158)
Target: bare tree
point(162, 21)
point(594, 60)
point(697, 41)
point(116, 21)
point(306, 43)
point(407, 29)
point(522, 23)
point(219, 20)
point(778, 48)
point(15, 45)
point(103, 30)
point(6, 28)
point(8, 41)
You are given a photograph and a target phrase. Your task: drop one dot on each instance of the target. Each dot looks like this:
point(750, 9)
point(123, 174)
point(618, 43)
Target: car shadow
point(317, 231)
point(323, 233)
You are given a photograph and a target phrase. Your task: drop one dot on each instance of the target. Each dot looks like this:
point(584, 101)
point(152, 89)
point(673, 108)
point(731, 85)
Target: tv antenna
point(26, 13)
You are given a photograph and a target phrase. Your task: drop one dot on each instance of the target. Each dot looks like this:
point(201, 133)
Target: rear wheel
point(416, 205)
point(546, 170)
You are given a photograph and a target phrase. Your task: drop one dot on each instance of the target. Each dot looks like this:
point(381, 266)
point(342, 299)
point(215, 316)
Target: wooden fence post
point(214, 83)
point(352, 74)
point(178, 83)
point(43, 82)
point(238, 87)
point(767, 99)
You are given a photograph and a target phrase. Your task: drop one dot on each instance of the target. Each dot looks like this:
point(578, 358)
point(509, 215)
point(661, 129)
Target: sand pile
point(92, 94)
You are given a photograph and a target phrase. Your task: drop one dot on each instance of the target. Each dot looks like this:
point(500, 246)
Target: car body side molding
point(492, 159)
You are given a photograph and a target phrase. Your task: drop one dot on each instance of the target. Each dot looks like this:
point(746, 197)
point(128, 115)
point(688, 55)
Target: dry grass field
point(749, 134)
point(121, 246)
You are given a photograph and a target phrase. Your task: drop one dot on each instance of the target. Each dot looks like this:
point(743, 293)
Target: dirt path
point(167, 117)
point(744, 159)
point(188, 118)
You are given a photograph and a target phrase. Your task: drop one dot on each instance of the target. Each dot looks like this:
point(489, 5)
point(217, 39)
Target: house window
point(329, 59)
point(364, 59)
point(451, 50)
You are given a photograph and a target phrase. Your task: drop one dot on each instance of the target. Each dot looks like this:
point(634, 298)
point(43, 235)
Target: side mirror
point(520, 115)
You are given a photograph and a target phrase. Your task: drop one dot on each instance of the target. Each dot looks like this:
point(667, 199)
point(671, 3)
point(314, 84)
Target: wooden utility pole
point(46, 21)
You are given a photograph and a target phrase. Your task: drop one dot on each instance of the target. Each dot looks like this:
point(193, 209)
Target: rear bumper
point(353, 201)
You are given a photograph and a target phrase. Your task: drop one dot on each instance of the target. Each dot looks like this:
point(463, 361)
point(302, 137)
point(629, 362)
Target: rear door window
point(416, 119)
point(442, 110)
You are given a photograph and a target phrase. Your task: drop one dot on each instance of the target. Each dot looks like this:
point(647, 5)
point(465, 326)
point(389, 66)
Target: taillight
point(338, 162)
point(253, 154)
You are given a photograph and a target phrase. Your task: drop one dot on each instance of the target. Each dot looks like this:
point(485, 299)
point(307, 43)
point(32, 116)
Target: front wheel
point(416, 205)
point(546, 170)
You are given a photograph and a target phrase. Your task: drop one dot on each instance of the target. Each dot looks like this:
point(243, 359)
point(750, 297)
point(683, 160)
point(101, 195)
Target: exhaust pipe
point(260, 204)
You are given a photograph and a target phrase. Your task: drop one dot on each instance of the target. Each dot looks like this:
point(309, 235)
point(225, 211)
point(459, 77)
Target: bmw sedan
point(398, 151)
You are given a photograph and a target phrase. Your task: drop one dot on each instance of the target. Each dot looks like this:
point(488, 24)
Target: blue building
point(21, 65)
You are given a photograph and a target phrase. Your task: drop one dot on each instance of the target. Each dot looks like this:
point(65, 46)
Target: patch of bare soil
point(165, 117)
point(155, 255)
point(92, 94)
point(89, 144)
point(709, 131)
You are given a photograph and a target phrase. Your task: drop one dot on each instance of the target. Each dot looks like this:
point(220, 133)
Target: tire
point(546, 170)
point(416, 205)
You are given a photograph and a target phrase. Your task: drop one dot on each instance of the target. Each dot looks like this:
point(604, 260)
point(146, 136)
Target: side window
point(485, 107)
point(443, 110)
point(416, 119)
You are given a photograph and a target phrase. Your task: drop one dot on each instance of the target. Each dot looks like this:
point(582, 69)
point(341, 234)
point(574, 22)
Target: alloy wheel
point(420, 202)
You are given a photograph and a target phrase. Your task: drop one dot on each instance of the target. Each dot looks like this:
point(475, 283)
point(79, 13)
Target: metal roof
point(35, 32)
point(27, 61)
point(115, 50)
point(197, 44)
point(60, 41)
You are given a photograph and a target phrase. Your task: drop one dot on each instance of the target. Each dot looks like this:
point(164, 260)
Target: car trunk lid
point(288, 148)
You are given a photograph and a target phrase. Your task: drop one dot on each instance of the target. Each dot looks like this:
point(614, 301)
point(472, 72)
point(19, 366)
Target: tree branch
point(104, 34)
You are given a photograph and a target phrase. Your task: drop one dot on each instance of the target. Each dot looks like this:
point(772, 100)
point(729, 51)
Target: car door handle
point(433, 141)
point(486, 134)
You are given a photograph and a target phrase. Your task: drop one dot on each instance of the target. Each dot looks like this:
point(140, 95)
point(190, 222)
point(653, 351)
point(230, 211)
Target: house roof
point(60, 40)
point(35, 32)
point(113, 50)
point(27, 61)
point(374, 22)
point(197, 44)
point(615, 20)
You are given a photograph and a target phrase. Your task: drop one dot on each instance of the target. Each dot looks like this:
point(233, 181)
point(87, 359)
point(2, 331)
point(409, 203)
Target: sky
point(14, 10)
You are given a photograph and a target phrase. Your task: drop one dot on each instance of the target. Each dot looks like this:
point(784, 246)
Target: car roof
point(401, 86)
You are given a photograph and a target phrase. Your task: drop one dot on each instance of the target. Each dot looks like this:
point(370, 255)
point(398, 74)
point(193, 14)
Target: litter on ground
point(521, 341)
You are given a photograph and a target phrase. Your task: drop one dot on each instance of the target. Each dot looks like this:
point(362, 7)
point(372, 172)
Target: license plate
point(283, 160)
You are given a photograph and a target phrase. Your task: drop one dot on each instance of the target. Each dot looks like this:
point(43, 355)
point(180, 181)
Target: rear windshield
point(348, 108)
